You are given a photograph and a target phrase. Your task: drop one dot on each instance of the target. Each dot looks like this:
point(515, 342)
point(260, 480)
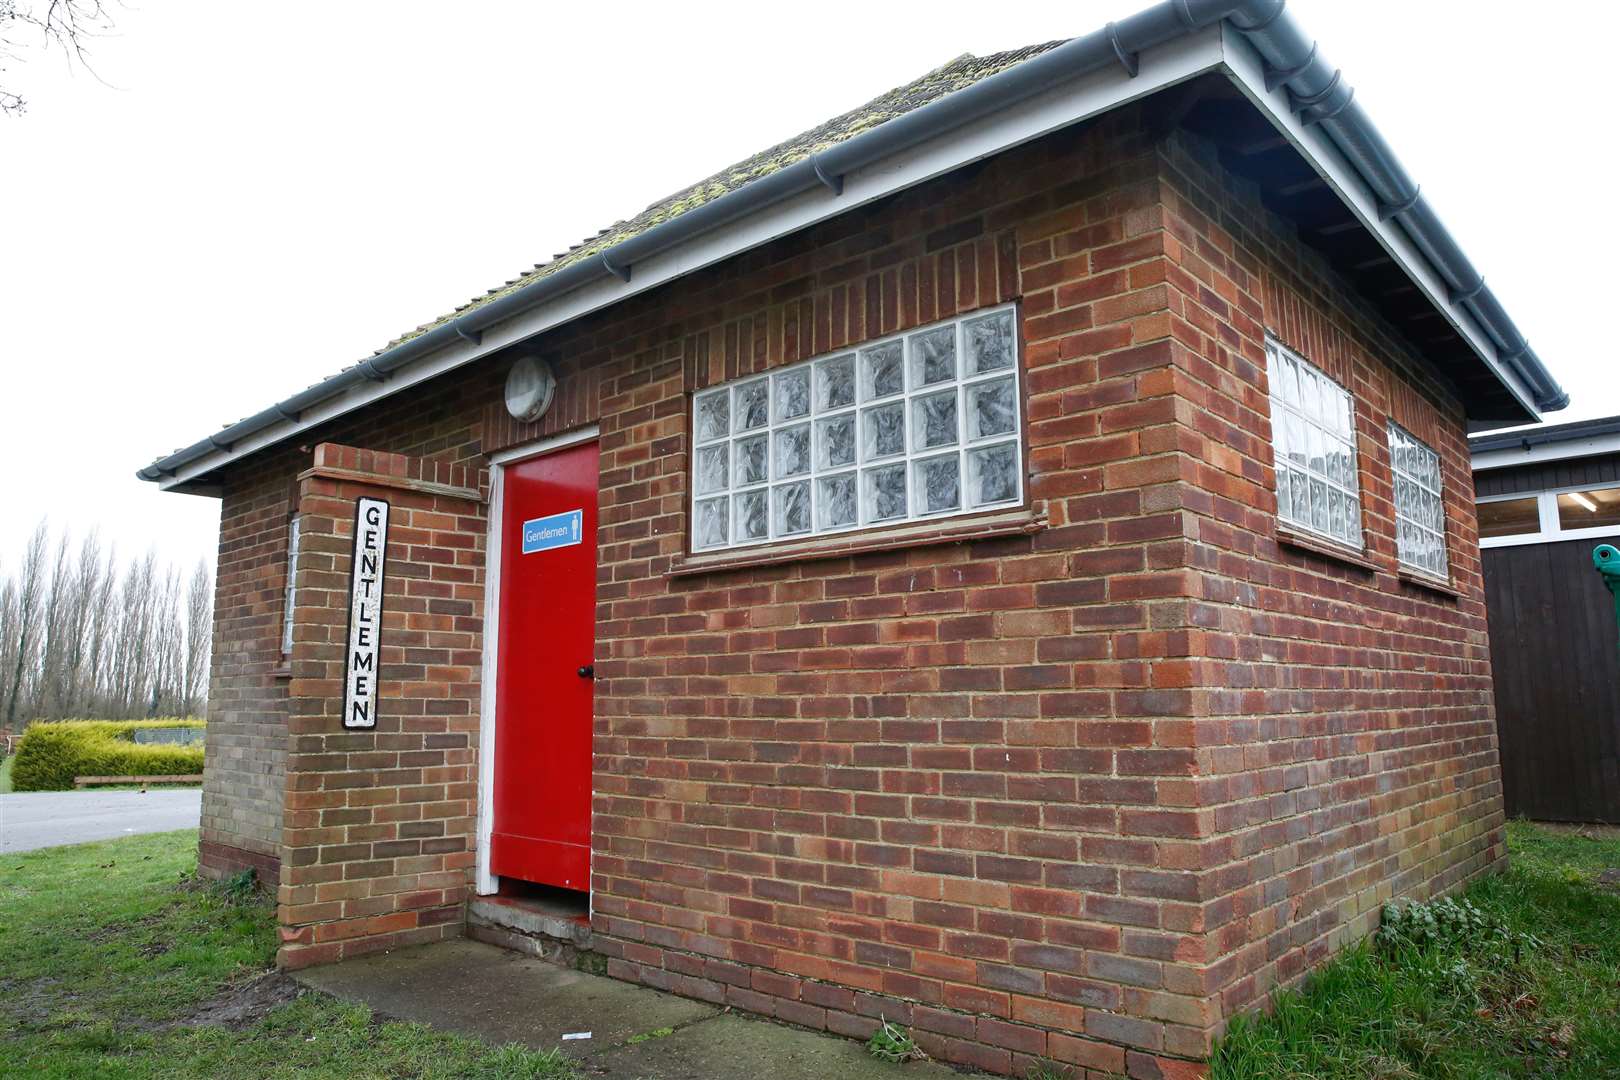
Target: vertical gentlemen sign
point(365, 613)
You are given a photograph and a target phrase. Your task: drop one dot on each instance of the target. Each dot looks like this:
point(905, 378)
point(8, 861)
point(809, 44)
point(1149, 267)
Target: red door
point(542, 827)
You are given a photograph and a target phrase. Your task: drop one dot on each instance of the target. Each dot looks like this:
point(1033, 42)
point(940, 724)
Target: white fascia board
point(1076, 100)
point(1509, 456)
point(1247, 71)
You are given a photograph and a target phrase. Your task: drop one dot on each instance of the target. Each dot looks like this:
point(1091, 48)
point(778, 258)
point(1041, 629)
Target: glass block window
point(921, 425)
point(1313, 430)
point(1420, 515)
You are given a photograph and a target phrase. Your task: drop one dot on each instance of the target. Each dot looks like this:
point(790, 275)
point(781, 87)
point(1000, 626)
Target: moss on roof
point(963, 71)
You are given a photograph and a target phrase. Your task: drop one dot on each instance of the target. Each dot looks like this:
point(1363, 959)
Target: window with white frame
point(1420, 513)
point(1532, 517)
point(1313, 431)
point(920, 425)
point(288, 592)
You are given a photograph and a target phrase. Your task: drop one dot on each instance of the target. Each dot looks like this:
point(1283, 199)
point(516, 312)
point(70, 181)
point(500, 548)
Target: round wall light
point(530, 386)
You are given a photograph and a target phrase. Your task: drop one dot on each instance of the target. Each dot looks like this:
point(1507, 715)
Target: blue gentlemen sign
point(558, 530)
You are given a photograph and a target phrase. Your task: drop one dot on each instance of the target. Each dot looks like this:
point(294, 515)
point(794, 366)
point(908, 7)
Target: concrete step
point(556, 928)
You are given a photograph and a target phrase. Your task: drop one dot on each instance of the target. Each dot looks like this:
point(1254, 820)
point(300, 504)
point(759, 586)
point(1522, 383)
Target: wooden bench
point(99, 781)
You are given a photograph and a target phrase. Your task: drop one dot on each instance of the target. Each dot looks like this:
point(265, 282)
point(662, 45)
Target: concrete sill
point(1432, 584)
point(1316, 545)
point(1020, 522)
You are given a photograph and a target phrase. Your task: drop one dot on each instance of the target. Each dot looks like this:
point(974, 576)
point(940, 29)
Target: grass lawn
point(1524, 981)
point(116, 963)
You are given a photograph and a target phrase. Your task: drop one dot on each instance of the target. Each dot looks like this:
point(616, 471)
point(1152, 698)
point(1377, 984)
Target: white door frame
point(487, 882)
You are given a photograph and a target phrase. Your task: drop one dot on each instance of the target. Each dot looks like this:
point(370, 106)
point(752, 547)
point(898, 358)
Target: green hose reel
point(1607, 560)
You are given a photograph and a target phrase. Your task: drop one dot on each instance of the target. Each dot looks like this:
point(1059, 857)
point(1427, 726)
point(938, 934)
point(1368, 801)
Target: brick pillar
point(379, 825)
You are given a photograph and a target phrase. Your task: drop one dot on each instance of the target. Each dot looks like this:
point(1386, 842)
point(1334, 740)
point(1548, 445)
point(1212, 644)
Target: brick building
point(1004, 561)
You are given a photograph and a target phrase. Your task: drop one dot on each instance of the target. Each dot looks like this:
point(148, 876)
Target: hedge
point(52, 755)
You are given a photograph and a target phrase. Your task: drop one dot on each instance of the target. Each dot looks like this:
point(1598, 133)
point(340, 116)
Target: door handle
point(588, 671)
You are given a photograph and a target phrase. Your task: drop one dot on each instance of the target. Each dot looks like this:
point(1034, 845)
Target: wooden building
point(1546, 498)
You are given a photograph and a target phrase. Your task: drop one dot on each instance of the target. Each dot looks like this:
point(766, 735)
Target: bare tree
point(68, 25)
point(167, 634)
point(85, 634)
point(98, 643)
point(30, 584)
point(79, 621)
point(199, 638)
point(53, 626)
point(8, 634)
point(133, 652)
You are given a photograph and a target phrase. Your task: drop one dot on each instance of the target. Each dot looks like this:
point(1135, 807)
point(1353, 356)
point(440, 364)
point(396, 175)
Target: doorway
point(537, 768)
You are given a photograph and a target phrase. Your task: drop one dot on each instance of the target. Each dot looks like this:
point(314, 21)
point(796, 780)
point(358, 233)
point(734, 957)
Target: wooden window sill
point(1020, 522)
point(1316, 545)
point(1425, 581)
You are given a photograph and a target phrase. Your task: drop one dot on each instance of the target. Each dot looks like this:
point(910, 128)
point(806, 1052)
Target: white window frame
point(1551, 530)
point(1281, 409)
point(289, 594)
point(1396, 474)
point(912, 458)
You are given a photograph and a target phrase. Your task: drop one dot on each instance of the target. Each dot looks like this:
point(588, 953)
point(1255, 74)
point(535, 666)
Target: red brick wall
point(1346, 735)
point(1073, 793)
point(890, 784)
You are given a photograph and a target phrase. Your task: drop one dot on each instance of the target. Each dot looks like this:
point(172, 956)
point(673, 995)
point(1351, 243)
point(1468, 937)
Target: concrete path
point(636, 1033)
point(40, 819)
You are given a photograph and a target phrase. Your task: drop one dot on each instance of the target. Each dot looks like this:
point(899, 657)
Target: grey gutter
point(1315, 90)
point(1551, 435)
point(1318, 94)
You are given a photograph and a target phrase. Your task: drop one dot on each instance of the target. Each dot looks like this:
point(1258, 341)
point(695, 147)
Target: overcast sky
point(254, 195)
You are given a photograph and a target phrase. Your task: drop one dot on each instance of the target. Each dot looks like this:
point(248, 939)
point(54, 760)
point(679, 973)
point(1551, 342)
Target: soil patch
point(27, 1001)
point(245, 1003)
point(124, 927)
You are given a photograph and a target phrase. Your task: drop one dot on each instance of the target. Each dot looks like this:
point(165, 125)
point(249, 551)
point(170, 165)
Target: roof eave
point(1557, 442)
point(1391, 216)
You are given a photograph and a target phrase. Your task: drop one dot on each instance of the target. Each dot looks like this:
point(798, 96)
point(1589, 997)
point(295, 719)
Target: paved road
point(46, 818)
